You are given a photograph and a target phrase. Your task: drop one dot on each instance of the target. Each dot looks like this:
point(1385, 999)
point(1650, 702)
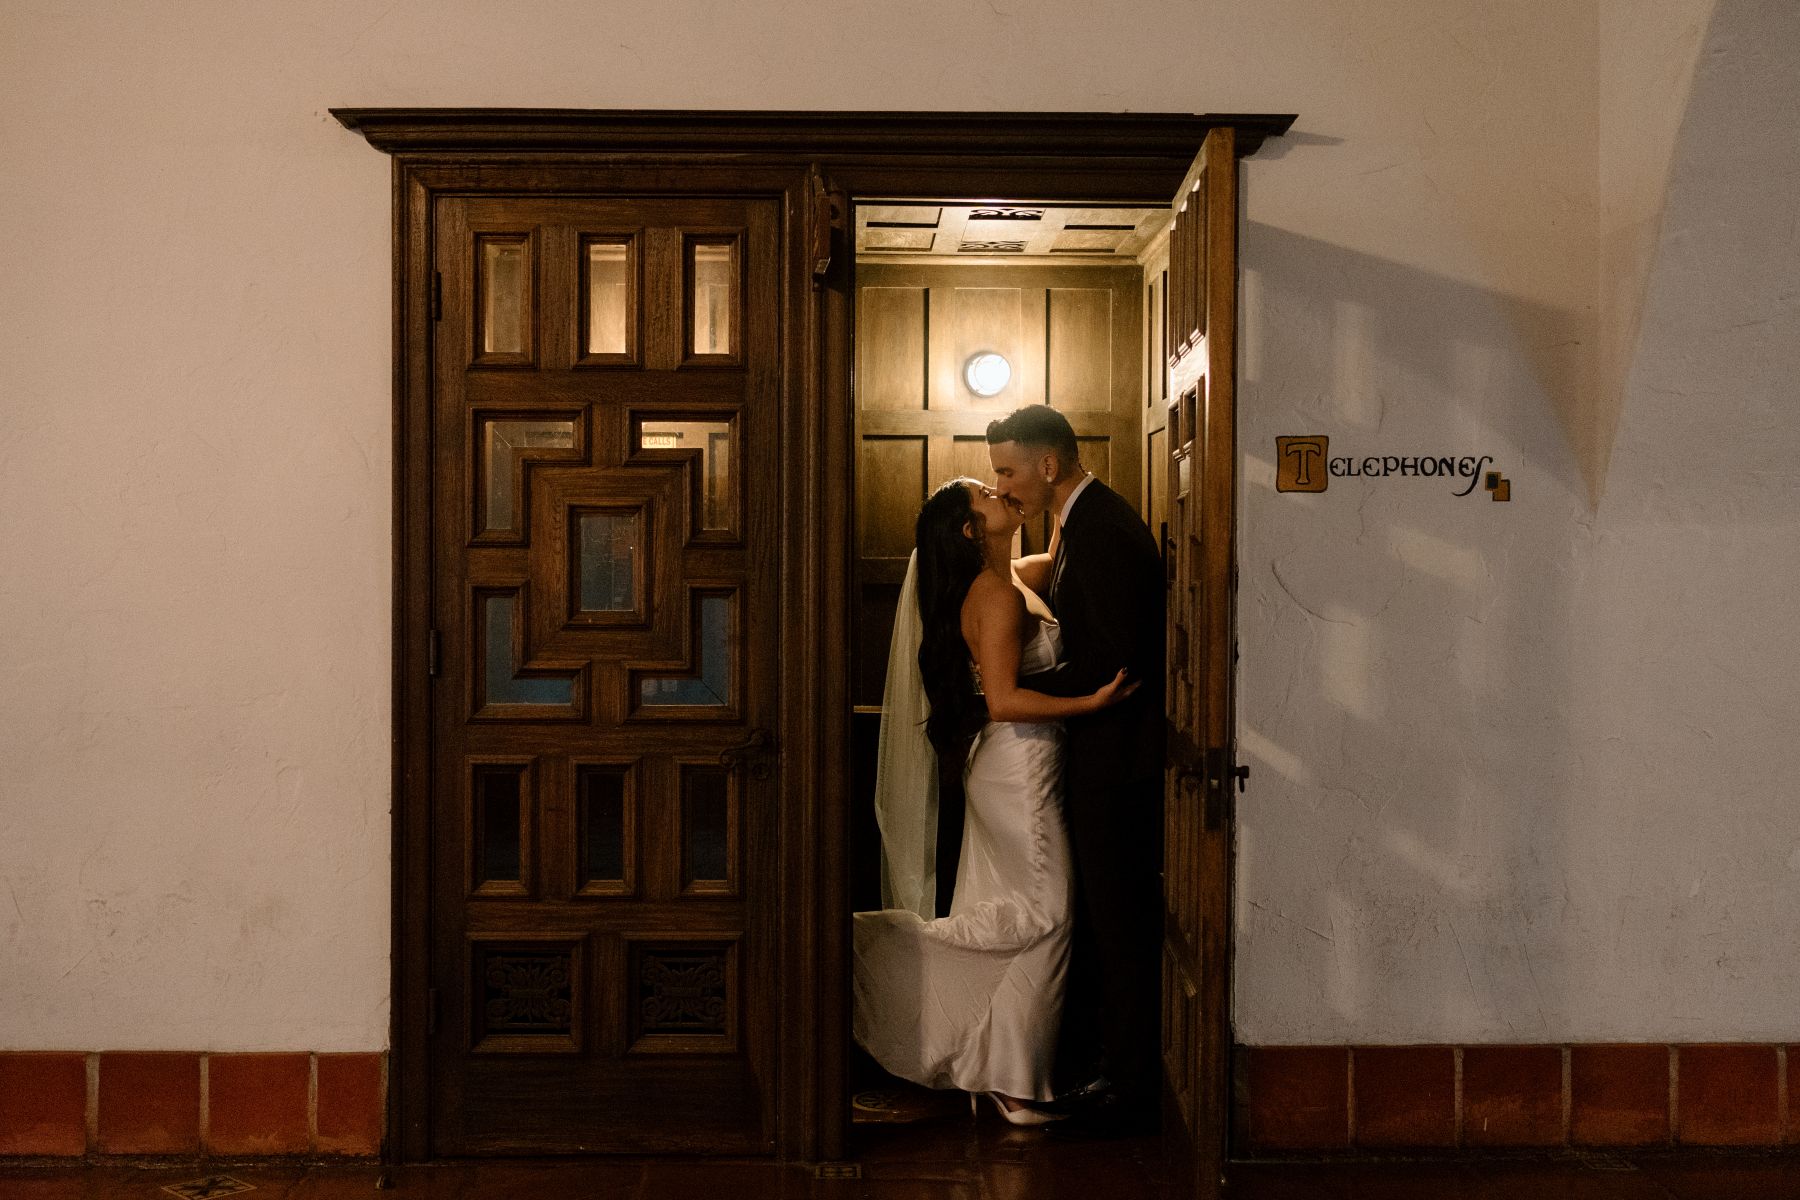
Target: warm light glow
point(988, 374)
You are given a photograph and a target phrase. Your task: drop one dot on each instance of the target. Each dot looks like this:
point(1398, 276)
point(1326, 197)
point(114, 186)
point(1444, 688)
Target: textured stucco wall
point(1529, 767)
point(1448, 807)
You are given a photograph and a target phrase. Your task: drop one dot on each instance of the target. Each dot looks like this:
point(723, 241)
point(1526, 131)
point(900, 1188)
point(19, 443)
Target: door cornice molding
point(793, 136)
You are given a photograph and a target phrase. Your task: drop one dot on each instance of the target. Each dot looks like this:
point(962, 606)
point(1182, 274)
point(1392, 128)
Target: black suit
point(1107, 591)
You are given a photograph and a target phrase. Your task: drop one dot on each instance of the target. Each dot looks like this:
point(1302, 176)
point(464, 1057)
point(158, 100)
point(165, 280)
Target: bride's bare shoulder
point(991, 595)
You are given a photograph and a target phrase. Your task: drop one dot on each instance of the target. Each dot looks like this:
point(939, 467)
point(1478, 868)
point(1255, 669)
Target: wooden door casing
point(611, 989)
point(1127, 159)
point(1200, 559)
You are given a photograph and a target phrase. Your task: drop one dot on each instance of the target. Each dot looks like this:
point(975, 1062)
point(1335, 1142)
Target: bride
point(971, 1000)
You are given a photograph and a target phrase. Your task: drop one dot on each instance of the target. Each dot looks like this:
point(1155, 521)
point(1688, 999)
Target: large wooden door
point(606, 378)
point(1202, 484)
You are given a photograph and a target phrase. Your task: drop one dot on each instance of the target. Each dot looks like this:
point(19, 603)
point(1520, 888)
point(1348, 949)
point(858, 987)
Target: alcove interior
point(1074, 298)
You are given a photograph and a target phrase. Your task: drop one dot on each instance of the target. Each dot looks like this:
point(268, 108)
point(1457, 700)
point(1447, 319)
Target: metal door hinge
point(827, 219)
point(430, 1011)
point(437, 295)
point(431, 653)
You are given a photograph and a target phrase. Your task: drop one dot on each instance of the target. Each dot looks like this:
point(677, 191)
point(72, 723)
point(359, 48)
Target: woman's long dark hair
point(949, 561)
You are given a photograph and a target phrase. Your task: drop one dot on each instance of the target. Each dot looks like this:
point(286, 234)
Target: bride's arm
point(999, 614)
point(1034, 572)
point(1034, 569)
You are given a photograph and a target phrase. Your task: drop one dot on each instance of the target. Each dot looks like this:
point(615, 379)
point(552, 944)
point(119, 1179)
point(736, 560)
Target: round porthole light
point(988, 374)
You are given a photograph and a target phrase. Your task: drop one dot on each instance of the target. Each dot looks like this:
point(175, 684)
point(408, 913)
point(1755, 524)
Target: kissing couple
point(1030, 968)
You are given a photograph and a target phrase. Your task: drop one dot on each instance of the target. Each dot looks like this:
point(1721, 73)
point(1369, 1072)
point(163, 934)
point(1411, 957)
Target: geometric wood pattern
point(615, 645)
point(526, 995)
point(684, 996)
point(1199, 436)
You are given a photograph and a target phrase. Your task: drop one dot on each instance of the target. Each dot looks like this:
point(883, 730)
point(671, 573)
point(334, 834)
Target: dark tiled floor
point(999, 1170)
point(932, 1151)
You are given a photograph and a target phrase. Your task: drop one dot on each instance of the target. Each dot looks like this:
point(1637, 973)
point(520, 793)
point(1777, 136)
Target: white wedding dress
point(973, 1000)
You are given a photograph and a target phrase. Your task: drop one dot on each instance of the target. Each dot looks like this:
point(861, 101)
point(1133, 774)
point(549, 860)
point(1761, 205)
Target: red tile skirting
point(70, 1104)
point(1295, 1098)
point(1299, 1098)
point(1728, 1096)
point(1404, 1096)
point(1481, 1097)
point(1512, 1096)
point(350, 1096)
point(1619, 1095)
point(257, 1103)
point(1791, 1094)
point(149, 1103)
point(43, 1103)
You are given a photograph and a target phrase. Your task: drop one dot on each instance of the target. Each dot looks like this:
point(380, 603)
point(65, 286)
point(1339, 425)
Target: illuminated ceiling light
point(988, 373)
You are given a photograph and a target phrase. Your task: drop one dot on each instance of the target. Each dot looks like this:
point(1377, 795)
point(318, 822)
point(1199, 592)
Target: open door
point(1200, 561)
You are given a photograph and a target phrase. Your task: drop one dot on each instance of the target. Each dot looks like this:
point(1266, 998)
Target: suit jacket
point(1108, 593)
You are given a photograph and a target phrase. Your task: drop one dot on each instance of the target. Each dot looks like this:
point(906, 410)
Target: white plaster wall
point(1529, 767)
point(195, 477)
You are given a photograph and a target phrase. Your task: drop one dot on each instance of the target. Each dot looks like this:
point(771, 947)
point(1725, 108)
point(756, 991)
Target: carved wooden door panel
point(1202, 482)
point(606, 379)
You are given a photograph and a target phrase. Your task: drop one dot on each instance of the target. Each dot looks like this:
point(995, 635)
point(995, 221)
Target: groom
point(1105, 584)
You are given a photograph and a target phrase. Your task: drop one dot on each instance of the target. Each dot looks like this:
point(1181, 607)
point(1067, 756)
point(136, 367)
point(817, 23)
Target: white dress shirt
point(1062, 518)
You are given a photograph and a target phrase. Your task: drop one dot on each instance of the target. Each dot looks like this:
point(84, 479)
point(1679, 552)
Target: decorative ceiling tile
point(1006, 214)
point(914, 215)
point(1089, 241)
point(909, 240)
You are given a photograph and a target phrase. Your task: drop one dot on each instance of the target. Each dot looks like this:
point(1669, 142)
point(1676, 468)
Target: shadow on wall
point(1453, 716)
point(1691, 676)
point(1402, 649)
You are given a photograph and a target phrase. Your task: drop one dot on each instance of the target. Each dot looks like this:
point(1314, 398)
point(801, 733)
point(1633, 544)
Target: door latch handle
point(757, 749)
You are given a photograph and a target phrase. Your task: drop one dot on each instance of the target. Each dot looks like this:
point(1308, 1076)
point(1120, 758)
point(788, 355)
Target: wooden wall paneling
point(1097, 456)
point(1031, 370)
point(1078, 335)
point(1154, 384)
point(984, 318)
point(892, 360)
point(969, 456)
point(942, 385)
point(891, 483)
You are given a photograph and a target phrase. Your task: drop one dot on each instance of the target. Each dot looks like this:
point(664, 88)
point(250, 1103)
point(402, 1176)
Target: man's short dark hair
point(1037, 425)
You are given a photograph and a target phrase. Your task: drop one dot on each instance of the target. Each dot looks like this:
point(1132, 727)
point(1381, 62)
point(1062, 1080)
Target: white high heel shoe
point(1023, 1116)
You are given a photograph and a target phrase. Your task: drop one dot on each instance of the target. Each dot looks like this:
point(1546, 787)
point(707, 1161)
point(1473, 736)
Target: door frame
point(814, 162)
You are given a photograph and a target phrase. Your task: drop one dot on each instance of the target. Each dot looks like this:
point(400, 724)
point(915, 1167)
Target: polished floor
point(932, 1150)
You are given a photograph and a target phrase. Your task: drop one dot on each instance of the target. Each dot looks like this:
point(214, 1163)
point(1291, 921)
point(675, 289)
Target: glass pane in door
point(713, 296)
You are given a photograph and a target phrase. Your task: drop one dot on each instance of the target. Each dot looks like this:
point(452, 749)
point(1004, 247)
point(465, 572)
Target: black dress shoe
point(1109, 1114)
point(1099, 1085)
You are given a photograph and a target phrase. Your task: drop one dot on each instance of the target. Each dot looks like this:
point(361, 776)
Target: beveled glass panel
point(601, 792)
point(705, 825)
point(714, 286)
point(609, 297)
point(504, 445)
point(608, 544)
point(496, 825)
point(503, 304)
point(713, 440)
point(503, 685)
point(713, 645)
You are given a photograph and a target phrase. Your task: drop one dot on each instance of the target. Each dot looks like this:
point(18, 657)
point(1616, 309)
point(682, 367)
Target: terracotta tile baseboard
point(174, 1103)
point(1376, 1098)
